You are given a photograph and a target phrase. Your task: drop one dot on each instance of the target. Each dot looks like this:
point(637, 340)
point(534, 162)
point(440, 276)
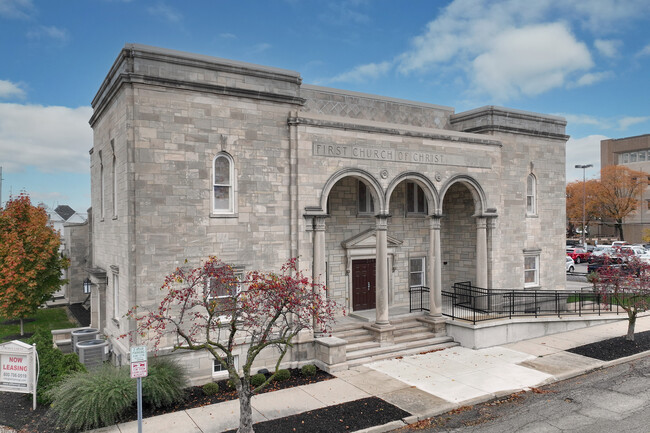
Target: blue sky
point(585, 60)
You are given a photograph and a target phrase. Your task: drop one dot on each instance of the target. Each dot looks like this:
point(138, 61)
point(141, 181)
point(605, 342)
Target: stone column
point(435, 268)
point(318, 267)
point(481, 253)
point(381, 280)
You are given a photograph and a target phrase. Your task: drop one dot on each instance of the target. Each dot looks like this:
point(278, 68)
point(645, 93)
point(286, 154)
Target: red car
point(579, 255)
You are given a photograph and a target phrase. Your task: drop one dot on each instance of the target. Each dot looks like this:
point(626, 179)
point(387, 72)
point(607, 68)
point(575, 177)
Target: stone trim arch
point(474, 187)
point(373, 186)
point(424, 182)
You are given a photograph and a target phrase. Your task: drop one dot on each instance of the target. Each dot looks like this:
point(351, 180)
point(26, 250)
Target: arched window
point(223, 184)
point(531, 195)
point(101, 186)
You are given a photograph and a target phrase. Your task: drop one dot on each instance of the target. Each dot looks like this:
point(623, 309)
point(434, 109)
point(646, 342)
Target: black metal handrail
point(419, 298)
point(475, 304)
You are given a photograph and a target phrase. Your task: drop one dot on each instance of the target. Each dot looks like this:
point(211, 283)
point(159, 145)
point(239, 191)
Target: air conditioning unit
point(93, 353)
point(83, 335)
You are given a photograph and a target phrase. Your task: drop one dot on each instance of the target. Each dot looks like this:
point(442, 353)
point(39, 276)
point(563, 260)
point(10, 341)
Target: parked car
point(600, 265)
point(600, 252)
point(570, 264)
point(578, 255)
point(645, 257)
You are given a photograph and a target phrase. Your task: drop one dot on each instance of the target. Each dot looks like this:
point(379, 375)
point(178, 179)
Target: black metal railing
point(418, 298)
point(475, 304)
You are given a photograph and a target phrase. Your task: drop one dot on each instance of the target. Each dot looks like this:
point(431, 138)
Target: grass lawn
point(49, 318)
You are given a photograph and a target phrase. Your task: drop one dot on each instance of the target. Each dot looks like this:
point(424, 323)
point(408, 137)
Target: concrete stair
point(410, 337)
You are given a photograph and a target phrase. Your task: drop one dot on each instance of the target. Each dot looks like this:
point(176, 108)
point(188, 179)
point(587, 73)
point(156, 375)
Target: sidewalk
point(423, 385)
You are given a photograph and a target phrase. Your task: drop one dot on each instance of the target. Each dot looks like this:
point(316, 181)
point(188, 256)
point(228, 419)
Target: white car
point(645, 257)
point(570, 264)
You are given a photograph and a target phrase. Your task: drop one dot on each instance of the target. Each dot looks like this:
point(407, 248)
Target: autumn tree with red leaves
point(618, 194)
point(30, 263)
point(209, 308)
point(626, 285)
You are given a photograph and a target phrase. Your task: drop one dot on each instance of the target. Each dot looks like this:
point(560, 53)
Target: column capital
point(481, 223)
point(319, 222)
point(434, 222)
point(381, 221)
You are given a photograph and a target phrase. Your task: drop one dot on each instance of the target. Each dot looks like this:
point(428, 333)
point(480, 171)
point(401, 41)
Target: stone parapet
point(498, 119)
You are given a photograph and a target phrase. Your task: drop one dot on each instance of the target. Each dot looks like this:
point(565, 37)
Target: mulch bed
point(17, 336)
point(350, 416)
point(615, 348)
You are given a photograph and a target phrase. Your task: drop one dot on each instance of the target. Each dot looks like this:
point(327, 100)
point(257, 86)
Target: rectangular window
point(633, 157)
point(531, 270)
point(416, 202)
point(625, 158)
point(642, 155)
point(417, 272)
point(116, 296)
point(364, 199)
point(220, 370)
point(217, 290)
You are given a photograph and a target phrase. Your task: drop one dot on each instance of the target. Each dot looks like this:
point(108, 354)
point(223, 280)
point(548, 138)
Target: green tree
point(30, 263)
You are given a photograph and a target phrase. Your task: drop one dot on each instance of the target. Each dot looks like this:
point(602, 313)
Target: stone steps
point(410, 336)
point(387, 352)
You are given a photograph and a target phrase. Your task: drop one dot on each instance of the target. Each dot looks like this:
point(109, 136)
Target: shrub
point(211, 388)
point(164, 384)
point(308, 370)
point(282, 375)
point(53, 364)
point(258, 379)
point(231, 385)
point(85, 401)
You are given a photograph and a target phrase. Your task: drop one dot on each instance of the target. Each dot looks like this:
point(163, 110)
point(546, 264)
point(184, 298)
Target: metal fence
point(419, 298)
point(476, 304)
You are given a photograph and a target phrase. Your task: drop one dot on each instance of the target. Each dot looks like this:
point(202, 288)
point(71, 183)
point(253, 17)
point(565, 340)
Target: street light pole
point(584, 199)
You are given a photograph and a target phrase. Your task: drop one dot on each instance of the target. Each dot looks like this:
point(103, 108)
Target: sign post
point(18, 371)
point(138, 371)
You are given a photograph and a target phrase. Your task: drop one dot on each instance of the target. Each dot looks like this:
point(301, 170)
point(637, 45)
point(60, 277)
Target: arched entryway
point(464, 233)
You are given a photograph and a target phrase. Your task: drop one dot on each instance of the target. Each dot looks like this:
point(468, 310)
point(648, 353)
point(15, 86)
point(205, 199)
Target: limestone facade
point(339, 179)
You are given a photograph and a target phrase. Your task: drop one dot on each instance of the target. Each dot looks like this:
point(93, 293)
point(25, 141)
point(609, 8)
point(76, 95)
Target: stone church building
point(196, 156)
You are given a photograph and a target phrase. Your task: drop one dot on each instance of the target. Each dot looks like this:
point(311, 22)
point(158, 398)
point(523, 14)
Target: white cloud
point(645, 51)
point(592, 77)
point(50, 32)
point(10, 90)
point(582, 119)
point(529, 61)
point(363, 73)
point(260, 48)
point(16, 8)
point(227, 36)
point(608, 48)
point(52, 139)
point(165, 12)
point(582, 151)
point(626, 122)
point(603, 16)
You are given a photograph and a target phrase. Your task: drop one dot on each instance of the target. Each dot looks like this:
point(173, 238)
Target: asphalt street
point(613, 399)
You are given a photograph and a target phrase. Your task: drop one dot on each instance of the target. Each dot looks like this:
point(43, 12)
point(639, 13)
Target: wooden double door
point(363, 284)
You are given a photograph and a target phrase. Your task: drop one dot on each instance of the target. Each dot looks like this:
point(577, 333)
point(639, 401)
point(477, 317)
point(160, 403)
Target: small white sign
point(138, 353)
point(138, 369)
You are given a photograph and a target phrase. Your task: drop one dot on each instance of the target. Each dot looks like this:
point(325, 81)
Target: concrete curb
point(383, 428)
